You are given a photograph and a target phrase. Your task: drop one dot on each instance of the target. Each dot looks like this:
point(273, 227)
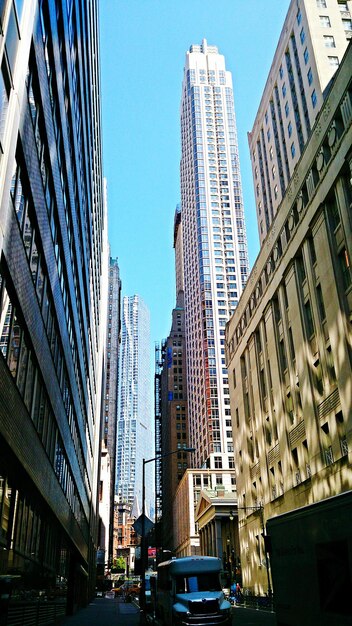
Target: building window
point(347, 25)
point(293, 149)
point(289, 129)
point(281, 71)
point(289, 408)
point(306, 56)
point(321, 4)
point(334, 61)
point(218, 462)
point(313, 254)
point(314, 98)
point(324, 21)
point(342, 5)
point(333, 212)
point(299, 17)
point(345, 268)
point(276, 192)
point(284, 90)
point(329, 41)
point(287, 109)
point(310, 76)
point(273, 171)
point(302, 36)
point(320, 301)
point(309, 319)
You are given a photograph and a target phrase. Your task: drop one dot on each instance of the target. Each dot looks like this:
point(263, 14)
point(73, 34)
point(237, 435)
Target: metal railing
point(260, 603)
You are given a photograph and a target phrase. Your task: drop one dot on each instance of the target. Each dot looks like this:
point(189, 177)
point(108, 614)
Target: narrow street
point(105, 612)
point(108, 612)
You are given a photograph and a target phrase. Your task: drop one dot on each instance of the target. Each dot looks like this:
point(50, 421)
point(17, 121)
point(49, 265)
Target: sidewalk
point(105, 612)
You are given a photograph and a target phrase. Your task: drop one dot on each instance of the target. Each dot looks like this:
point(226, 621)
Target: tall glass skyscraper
point(53, 298)
point(135, 423)
point(214, 246)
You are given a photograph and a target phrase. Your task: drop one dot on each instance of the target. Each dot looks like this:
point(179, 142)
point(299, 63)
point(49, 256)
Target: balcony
point(328, 455)
point(344, 446)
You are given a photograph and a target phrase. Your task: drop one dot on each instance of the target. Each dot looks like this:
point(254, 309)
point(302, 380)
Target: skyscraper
point(53, 255)
point(173, 418)
point(311, 46)
point(135, 425)
point(109, 421)
point(214, 246)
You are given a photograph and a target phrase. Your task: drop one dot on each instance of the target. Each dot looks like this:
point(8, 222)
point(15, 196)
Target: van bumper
point(187, 619)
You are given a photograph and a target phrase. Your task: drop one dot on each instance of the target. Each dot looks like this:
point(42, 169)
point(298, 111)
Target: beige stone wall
point(289, 341)
point(311, 46)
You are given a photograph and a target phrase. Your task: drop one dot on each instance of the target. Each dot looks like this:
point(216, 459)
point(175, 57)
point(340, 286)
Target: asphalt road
point(105, 612)
point(111, 612)
point(251, 617)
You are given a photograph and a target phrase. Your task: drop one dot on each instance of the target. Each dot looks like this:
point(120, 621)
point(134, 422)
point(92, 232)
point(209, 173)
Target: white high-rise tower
point(135, 424)
point(214, 246)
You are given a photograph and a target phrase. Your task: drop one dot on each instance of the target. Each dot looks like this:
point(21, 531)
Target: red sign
point(152, 553)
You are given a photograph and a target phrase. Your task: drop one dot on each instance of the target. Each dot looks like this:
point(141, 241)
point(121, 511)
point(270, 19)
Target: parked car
point(128, 588)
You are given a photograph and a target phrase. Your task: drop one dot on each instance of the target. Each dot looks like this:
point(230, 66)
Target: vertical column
point(218, 538)
point(213, 538)
point(207, 540)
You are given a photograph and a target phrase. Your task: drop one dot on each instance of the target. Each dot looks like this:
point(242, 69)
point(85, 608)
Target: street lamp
point(258, 509)
point(143, 538)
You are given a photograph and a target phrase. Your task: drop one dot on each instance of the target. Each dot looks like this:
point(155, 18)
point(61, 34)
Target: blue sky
point(143, 45)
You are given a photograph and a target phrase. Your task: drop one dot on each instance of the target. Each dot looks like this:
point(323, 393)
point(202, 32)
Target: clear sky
point(143, 45)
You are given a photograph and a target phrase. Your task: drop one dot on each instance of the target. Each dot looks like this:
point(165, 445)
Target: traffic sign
point(138, 525)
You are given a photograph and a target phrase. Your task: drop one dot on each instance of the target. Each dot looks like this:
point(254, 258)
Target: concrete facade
point(174, 423)
point(289, 342)
point(191, 489)
point(125, 537)
point(311, 46)
point(215, 261)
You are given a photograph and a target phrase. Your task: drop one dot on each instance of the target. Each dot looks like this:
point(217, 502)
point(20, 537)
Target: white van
point(189, 592)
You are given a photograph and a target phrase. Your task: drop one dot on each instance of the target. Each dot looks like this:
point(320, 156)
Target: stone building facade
point(289, 341)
